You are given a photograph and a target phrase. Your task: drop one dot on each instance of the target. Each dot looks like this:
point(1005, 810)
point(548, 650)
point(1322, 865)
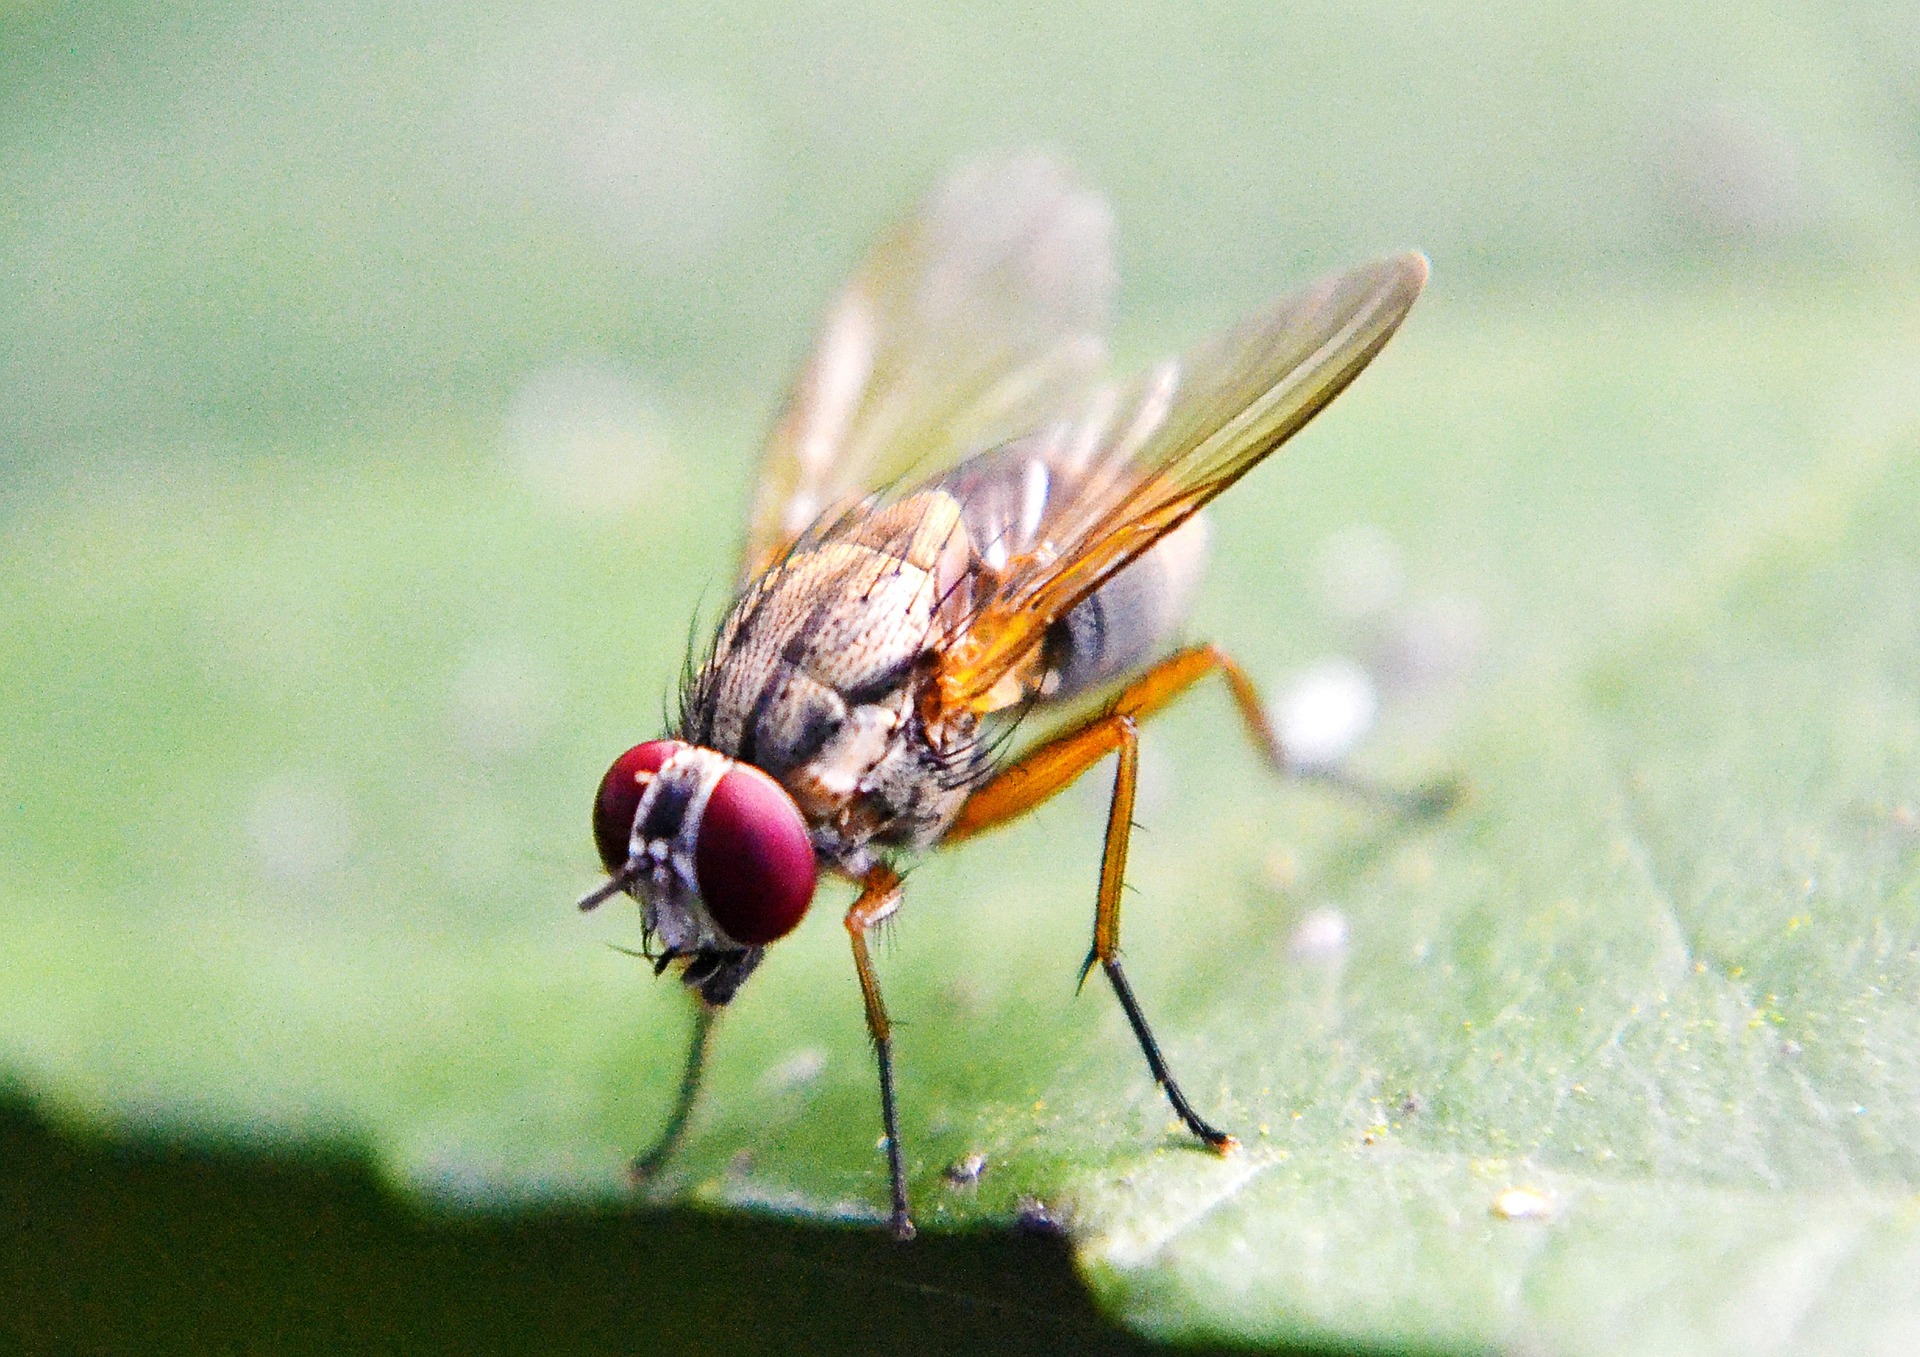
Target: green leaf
point(298, 757)
point(1664, 976)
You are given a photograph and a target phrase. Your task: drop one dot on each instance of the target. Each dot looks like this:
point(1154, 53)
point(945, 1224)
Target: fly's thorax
point(826, 784)
point(815, 671)
point(911, 795)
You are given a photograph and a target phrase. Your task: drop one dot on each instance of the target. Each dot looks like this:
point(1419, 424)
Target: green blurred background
point(243, 223)
point(379, 386)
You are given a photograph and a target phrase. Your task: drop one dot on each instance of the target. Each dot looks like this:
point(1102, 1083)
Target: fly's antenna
point(612, 886)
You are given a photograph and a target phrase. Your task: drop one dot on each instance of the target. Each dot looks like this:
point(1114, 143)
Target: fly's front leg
point(646, 1166)
point(880, 897)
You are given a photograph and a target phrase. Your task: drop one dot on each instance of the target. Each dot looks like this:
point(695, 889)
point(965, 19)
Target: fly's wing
point(1136, 465)
point(976, 320)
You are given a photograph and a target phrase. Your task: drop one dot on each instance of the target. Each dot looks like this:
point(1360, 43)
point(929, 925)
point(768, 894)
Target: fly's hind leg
point(1041, 773)
point(1044, 772)
point(1420, 803)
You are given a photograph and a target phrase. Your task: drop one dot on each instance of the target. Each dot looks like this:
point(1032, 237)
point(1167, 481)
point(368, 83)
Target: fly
point(958, 522)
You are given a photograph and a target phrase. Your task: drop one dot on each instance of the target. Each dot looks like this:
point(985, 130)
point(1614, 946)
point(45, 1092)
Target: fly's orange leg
point(646, 1166)
point(1044, 772)
point(1421, 802)
point(879, 897)
point(1106, 929)
point(1041, 773)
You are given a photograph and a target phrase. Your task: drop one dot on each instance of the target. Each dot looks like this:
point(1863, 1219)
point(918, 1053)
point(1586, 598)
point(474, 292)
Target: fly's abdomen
point(1130, 618)
point(1009, 498)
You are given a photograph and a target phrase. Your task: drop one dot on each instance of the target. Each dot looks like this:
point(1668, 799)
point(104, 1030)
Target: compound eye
point(619, 799)
point(754, 858)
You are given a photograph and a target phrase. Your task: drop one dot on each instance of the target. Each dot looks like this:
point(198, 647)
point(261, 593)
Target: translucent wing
point(977, 319)
point(1134, 466)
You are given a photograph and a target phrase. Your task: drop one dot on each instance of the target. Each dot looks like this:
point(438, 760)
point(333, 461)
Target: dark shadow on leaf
point(155, 1247)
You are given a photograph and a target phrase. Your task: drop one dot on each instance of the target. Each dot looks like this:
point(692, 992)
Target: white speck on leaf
point(1320, 936)
point(799, 1070)
point(1522, 1203)
point(967, 1170)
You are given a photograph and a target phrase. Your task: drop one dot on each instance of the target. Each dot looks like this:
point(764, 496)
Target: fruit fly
point(958, 524)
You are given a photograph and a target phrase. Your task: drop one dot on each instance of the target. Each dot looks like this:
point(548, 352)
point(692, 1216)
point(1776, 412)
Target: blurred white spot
point(1320, 936)
point(298, 827)
point(504, 698)
point(660, 170)
point(1324, 711)
point(803, 1067)
point(1522, 1203)
point(1433, 642)
point(1884, 403)
point(1360, 572)
point(582, 435)
point(1733, 172)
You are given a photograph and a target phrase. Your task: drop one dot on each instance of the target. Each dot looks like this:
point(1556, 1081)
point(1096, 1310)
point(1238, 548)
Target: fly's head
point(715, 851)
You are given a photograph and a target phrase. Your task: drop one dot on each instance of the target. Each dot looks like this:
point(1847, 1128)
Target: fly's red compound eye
point(619, 799)
point(754, 858)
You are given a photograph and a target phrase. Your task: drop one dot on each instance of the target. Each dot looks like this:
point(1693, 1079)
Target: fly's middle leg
point(879, 897)
point(1044, 772)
